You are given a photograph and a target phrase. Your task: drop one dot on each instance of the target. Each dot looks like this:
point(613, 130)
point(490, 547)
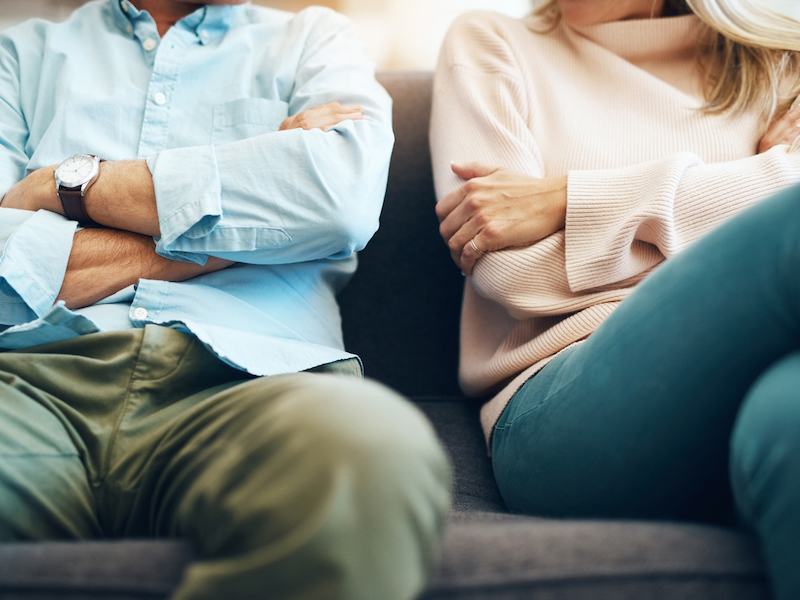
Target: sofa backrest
point(400, 312)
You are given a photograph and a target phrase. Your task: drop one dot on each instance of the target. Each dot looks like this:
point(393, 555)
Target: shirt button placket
point(165, 60)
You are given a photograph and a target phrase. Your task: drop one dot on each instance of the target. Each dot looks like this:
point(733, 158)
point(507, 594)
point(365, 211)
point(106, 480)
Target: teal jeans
point(313, 486)
point(694, 380)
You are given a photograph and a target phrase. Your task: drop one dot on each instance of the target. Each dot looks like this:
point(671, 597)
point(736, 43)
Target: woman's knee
point(765, 446)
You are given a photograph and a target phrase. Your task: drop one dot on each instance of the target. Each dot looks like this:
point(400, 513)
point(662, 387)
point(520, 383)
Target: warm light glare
point(399, 34)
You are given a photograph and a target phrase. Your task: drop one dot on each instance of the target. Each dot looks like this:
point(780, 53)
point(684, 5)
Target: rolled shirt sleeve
point(35, 245)
point(30, 281)
point(286, 196)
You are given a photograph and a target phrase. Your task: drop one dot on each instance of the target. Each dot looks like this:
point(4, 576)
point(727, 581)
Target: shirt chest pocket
point(246, 118)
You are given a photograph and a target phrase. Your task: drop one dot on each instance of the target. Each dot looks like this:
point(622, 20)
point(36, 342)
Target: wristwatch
point(73, 178)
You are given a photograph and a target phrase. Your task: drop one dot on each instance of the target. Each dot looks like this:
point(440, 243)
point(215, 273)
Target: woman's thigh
point(636, 420)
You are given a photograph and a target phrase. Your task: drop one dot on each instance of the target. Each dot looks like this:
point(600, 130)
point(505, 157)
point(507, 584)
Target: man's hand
point(499, 208)
point(783, 130)
point(36, 191)
point(105, 261)
point(322, 117)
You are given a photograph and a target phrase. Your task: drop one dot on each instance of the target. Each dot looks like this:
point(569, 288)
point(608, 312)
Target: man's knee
point(336, 412)
point(332, 482)
point(308, 434)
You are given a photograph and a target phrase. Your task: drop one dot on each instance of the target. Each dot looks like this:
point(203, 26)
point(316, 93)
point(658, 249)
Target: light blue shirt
point(203, 105)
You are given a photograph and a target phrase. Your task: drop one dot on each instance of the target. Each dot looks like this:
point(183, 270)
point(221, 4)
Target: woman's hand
point(783, 130)
point(498, 208)
point(322, 117)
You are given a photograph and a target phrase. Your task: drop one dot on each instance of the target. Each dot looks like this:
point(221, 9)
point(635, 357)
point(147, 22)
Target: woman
point(576, 150)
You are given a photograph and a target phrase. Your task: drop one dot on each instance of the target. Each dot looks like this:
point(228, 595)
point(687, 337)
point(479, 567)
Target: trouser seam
point(106, 464)
point(136, 375)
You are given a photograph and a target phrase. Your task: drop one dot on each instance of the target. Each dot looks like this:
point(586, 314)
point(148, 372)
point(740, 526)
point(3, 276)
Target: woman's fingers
point(497, 209)
point(466, 171)
point(470, 254)
point(784, 130)
point(472, 169)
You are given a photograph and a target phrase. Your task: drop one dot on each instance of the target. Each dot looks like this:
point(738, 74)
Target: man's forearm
point(104, 261)
point(123, 197)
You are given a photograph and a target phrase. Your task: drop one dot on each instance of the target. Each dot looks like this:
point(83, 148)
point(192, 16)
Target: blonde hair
point(750, 55)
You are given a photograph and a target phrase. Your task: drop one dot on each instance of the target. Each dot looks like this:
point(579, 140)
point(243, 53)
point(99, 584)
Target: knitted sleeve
point(622, 222)
point(480, 108)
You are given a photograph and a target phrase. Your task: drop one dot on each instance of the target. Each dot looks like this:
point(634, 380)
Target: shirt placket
point(165, 56)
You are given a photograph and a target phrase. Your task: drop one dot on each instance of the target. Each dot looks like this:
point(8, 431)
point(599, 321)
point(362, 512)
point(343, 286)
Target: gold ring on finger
point(474, 246)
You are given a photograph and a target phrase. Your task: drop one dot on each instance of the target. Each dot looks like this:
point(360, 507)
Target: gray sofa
point(400, 314)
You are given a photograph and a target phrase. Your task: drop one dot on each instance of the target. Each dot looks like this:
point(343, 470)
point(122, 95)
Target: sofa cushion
point(118, 570)
point(400, 312)
point(490, 556)
point(456, 423)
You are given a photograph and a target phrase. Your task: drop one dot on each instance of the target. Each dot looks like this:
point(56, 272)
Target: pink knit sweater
point(616, 107)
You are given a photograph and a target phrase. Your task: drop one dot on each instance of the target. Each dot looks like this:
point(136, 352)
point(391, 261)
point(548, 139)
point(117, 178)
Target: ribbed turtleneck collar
point(640, 40)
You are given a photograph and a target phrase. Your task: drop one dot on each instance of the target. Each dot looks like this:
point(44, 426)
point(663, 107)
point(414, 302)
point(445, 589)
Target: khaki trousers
point(309, 485)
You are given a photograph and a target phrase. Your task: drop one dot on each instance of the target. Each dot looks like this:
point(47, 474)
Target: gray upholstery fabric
point(456, 422)
point(401, 315)
point(130, 570)
point(400, 312)
point(494, 556)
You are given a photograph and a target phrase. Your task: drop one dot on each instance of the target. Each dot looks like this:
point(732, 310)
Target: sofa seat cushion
point(491, 556)
point(486, 556)
point(105, 570)
point(456, 422)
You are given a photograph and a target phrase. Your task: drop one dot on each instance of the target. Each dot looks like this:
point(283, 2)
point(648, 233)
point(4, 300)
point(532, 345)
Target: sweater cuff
point(604, 241)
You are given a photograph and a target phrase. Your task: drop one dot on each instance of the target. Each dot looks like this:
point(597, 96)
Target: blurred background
point(399, 34)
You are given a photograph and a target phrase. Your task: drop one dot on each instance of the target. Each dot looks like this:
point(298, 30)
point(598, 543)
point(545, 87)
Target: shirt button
point(140, 313)
point(123, 6)
point(150, 44)
point(204, 34)
point(160, 99)
point(129, 29)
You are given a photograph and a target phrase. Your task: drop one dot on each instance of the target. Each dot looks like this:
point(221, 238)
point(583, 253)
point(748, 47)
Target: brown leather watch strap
point(72, 202)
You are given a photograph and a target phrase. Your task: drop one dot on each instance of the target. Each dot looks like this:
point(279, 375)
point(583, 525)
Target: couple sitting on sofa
point(174, 363)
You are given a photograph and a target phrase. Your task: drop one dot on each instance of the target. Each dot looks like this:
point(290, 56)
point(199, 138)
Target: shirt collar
point(207, 22)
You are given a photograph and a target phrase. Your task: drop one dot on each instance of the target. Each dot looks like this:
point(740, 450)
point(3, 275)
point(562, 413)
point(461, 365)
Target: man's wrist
point(45, 192)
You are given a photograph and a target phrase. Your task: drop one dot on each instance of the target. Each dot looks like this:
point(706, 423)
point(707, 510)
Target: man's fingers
point(323, 117)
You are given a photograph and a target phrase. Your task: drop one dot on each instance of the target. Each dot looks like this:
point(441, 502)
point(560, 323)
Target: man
point(174, 364)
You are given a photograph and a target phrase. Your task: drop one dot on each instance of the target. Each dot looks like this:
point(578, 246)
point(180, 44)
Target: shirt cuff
point(37, 276)
point(188, 197)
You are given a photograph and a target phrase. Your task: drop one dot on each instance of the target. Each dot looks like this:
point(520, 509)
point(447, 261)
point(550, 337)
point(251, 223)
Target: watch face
point(76, 170)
